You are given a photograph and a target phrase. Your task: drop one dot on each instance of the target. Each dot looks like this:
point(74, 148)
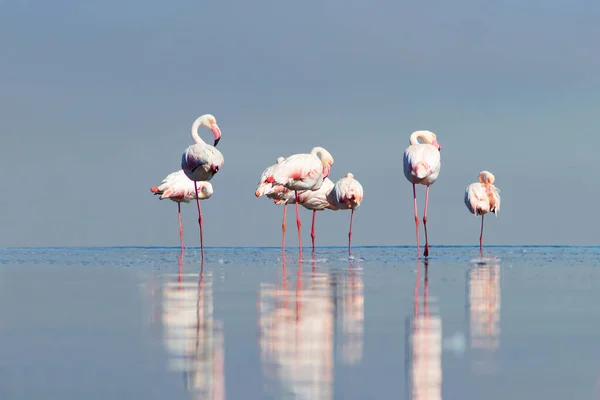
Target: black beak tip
point(216, 142)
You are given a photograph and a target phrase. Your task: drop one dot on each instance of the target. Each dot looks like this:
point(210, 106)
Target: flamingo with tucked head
point(201, 161)
point(179, 188)
point(422, 166)
point(483, 197)
point(300, 172)
point(347, 194)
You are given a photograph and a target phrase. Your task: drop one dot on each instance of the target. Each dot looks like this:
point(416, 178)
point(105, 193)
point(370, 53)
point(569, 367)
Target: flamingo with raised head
point(278, 193)
point(302, 172)
point(347, 194)
point(201, 161)
point(422, 166)
point(483, 197)
point(179, 188)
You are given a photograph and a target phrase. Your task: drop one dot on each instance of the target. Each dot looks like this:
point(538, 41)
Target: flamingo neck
point(197, 139)
point(414, 138)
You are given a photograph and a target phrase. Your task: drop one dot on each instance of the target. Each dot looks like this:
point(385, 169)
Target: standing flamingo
point(302, 172)
point(483, 197)
point(180, 189)
point(347, 194)
point(315, 200)
point(201, 161)
point(422, 166)
point(278, 193)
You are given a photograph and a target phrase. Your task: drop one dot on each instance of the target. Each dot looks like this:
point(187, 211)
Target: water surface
point(142, 323)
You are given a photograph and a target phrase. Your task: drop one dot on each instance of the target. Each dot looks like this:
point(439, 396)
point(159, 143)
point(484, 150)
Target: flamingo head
point(326, 160)
point(209, 121)
point(427, 137)
point(486, 177)
point(205, 190)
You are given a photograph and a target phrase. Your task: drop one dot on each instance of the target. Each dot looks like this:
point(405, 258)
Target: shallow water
point(136, 323)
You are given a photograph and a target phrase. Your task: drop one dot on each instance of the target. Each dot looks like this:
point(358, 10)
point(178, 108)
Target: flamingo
point(483, 197)
point(201, 161)
point(422, 166)
point(315, 200)
point(278, 193)
point(347, 194)
point(300, 172)
point(180, 189)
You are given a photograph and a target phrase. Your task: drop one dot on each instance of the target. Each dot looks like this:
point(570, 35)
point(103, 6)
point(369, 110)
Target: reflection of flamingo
point(302, 172)
point(347, 195)
point(484, 306)
point(193, 338)
point(483, 197)
point(296, 335)
point(201, 161)
point(422, 166)
point(180, 189)
point(426, 346)
point(351, 315)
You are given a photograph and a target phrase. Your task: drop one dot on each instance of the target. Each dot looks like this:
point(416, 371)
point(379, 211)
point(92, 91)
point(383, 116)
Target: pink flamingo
point(347, 194)
point(422, 166)
point(201, 161)
point(483, 197)
point(278, 193)
point(180, 189)
point(302, 172)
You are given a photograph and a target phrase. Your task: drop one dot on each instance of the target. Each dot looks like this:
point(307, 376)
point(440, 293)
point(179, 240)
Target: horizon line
point(291, 247)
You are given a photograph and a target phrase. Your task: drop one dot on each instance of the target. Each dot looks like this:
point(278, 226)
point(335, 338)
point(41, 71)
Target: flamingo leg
point(312, 231)
point(299, 223)
point(350, 234)
point(426, 251)
point(416, 218)
point(481, 236)
point(180, 226)
point(199, 219)
point(283, 228)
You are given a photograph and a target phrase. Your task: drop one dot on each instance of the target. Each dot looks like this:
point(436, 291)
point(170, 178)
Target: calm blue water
point(136, 323)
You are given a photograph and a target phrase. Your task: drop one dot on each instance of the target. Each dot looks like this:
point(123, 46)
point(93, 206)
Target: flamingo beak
point(326, 171)
point(436, 144)
point(216, 133)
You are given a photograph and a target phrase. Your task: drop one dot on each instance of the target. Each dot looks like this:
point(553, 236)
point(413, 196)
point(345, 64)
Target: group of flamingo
point(303, 179)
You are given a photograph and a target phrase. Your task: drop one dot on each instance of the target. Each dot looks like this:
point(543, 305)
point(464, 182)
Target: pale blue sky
point(97, 100)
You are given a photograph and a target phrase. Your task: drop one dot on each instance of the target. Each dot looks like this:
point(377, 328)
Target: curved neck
point(319, 152)
point(414, 138)
point(197, 139)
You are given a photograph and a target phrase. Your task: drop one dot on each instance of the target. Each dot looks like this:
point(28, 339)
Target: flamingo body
point(422, 164)
point(302, 171)
point(180, 189)
point(483, 197)
point(347, 193)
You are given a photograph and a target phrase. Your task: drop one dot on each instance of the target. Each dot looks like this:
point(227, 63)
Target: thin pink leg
point(298, 223)
point(350, 235)
point(481, 237)
point(312, 231)
point(416, 220)
point(199, 219)
point(283, 228)
point(180, 226)
point(426, 251)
